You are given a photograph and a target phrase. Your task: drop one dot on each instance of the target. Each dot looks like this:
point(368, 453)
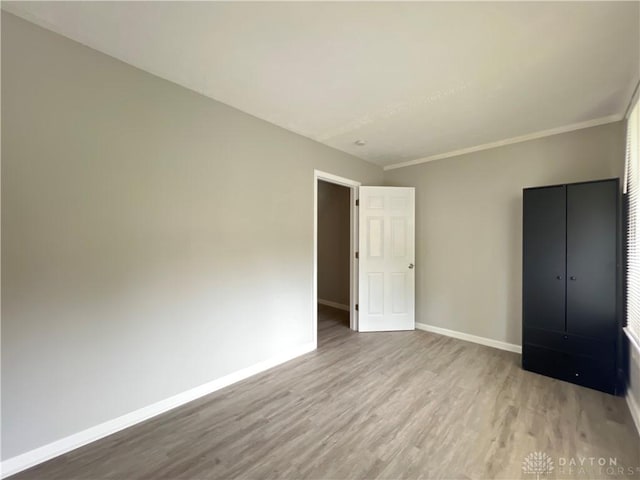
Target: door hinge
point(356, 307)
point(358, 203)
point(357, 254)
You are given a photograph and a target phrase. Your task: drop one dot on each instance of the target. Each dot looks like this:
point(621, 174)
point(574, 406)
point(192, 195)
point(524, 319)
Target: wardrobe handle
point(572, 278)
point(559, 277)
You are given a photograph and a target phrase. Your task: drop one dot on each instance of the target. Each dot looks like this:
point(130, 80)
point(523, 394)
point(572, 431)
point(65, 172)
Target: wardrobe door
point(591, 259)
point(544, 250)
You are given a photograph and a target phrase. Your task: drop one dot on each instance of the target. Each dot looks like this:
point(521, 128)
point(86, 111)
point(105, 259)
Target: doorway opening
point(335, 244)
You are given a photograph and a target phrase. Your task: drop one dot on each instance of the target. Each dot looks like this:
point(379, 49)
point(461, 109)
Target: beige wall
point(634, 380)
point(153, 240)
point(334, 221)
point(469, 224)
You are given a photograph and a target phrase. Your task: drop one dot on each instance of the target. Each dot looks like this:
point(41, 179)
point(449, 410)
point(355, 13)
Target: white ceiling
point(414, 80)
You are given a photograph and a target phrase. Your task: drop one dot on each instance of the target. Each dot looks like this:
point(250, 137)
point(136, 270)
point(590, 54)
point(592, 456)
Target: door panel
point(591, 259)
point(387, 249)
point(544, 250)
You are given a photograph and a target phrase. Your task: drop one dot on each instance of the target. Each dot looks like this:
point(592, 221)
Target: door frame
point(353, 247)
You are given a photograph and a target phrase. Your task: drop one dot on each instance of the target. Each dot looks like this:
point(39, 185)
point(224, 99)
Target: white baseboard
point(329, 303)
point(634, 408)
point(489, 342)
point(34, 457)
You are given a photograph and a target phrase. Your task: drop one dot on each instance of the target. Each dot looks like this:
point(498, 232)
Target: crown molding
point(509, 141)
point(633, 100)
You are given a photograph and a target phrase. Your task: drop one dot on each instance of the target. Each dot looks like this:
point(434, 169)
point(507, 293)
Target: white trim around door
point(353, 266)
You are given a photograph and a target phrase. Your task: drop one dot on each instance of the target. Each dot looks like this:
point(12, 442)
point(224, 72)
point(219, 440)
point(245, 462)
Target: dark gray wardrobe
point(571, 283)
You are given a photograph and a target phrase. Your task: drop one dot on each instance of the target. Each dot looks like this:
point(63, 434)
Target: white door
point(387, 256)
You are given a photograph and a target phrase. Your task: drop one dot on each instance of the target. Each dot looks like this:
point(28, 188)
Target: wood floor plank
point(373, 405)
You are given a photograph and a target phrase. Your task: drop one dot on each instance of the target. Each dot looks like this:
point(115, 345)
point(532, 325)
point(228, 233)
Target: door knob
point(411, 265)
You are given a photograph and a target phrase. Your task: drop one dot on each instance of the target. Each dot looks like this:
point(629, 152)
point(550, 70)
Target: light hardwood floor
point(372, 405)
